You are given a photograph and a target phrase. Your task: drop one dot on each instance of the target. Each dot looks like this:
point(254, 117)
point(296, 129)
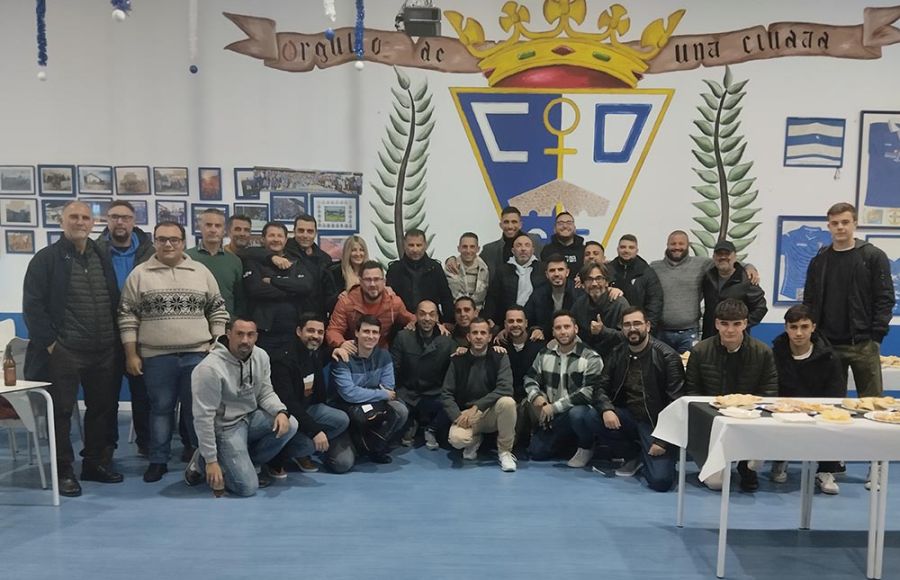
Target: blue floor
point(428, 516)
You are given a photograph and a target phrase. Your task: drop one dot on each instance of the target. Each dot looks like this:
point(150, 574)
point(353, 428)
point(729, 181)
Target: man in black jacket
point(521, 351)
point(728, 279)
point(558, 294)
point(850, 292)
point(515, 281)
point(566, 243)
point(807, 367)
point(421, 357)
point(69, 304)
point(639, 380)
point(299, 382)
point(416, 277)
point(637, 280)
point(599, 316)
point(497, 253)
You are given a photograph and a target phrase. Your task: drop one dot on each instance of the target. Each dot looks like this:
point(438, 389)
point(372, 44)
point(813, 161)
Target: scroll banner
point(297, 52)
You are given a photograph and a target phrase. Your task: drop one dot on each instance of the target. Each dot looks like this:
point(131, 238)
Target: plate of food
point(892, 417)
point(794, 406)
point(866, 404)
point(835, 415)
point(736, 400)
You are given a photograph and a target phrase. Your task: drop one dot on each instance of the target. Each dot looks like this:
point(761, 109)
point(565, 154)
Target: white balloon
point(359, 65)
point(42, 75)
point(119, 15)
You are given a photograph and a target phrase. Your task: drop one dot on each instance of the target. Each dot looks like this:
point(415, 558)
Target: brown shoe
point(305, 464)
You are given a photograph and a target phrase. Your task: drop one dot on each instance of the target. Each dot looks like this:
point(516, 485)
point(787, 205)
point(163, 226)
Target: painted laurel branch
point(400, 205)
point(726, 187)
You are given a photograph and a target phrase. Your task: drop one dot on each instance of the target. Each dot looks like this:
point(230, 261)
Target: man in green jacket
point(226, 268)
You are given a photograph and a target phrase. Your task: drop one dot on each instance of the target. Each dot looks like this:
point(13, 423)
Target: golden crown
point(562, 45)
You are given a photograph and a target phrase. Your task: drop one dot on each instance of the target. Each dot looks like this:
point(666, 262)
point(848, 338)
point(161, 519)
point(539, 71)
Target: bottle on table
point(9, 367)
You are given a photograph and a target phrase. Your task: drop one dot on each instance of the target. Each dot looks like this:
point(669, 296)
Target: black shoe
point(265, 480)
point(192, 475)
point(187, 453)
point(749, 478)
point(380, 457)
point(69, 486)
point(155, 471)
point(100, 472)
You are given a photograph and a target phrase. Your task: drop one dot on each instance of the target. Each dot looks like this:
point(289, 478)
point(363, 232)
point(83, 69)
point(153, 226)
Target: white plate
point(871, 416)
point(738, 413)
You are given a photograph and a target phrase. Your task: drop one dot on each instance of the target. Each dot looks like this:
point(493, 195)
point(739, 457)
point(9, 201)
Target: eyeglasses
point(162, 241)
point(120, 218)
point(592, 279)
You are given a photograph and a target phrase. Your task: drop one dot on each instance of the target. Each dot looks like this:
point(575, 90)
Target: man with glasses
point(565, 242)
point(173, 305)
point(239, 230)
point(226, 268)
point(598, 314)
point(371, 298)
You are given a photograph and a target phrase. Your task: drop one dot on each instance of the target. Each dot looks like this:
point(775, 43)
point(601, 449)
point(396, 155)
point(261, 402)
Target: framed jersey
point(878, 177)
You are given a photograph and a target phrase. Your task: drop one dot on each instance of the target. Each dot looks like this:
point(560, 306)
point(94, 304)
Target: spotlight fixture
point(419, 18)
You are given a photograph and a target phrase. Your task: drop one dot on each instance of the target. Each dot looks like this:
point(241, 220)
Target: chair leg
point(13, 450)
point(40, 460)
point(30, 452)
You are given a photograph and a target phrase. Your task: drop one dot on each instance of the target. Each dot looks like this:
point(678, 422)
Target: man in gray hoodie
point(240, 421)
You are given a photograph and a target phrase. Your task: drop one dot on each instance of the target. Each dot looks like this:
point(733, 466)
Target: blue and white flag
point(814, 142)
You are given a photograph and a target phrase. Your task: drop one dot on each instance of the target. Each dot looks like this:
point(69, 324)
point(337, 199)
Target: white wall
point(121, 94)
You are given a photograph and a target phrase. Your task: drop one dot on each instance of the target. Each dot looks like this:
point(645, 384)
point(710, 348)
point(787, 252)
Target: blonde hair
point(351, 276)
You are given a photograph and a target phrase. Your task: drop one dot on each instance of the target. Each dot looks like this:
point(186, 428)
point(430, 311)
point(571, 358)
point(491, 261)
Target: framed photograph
point(99, 208)
point(17, 179)
point(198, 208)
point(285, 206)
point(799, 240)
point(133, 180)
point(51, 212)
point(256, 241)
point(210, 183)
point(336, 213)
point(890, 244)
point(141, 215)
point(56, 180)
point(257, 212)
point(53, 237)
point(333, 245)
point(18, 212)
point(878, 173)
point(95, 180)
point(245, 183)
point(19, 241)
point(814, 142)
point(171, 211)
point(171, 181)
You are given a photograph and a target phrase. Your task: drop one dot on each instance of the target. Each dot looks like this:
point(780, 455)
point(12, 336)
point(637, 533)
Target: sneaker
point(409, 437)
point(825, 482)
point(470, 453)
point(778, 473)
point(749, 478)
point(630, 468)
point(581, 458)
point(277, 472)
point(305, 464)
point(869, 479)
point(265, 480)
point(431, 442)
point(507, 461)
point(192, 474)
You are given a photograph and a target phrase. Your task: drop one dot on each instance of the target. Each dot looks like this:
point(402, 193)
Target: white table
point(741, 439)
point(25, 387)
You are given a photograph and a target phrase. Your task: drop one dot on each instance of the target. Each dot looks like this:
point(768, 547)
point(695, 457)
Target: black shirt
point(835, 323)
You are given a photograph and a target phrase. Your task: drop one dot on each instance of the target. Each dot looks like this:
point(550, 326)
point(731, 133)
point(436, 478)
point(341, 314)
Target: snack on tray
point(890, 361)
point(835, 415)
point(887, 416)
point(801, 405)
point(871, 403)
point(736, 400)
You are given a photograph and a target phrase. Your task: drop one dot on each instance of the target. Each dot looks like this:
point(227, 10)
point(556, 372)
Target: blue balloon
point(194, 69)
point(329, 33)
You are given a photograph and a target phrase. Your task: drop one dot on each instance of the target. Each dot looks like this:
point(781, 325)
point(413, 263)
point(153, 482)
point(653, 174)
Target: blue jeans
point(561, 438)
point(340, 456)
point(680, 340)
point(243, 446)
point(631, 439)
point(168, 379)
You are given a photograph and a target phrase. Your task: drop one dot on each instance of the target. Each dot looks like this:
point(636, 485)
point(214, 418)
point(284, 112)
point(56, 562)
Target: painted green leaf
point(716, 88)
point(705, 237)
point(386, 195)
point(386, 230)
point(707, 191)
point(384, 213)
point(709, 224)
point(424, 104)
point(706, 159)
point(397, 140)
point(732, 100)
point(402, 114)
point(742, 243)
point(413, 196)
point(741, 186)
point(414, 222)
point(707, 176)
point(415, 166)
point(729, 144)
point(413, 182)
point(736, 87)
point(425, 132)
point(744, 200)
point(726, 132)
point(399, 127)
point(731, 115)
point(387, 163)
point(424, 116)
point(741, 230)
point(416, 206)
point(711, 101)
point(704, 143)
point(401, 98)
point(734, 157)
point(389, 250)
point(739, 171)
point(705, 127)
point(420, 92)
point(392, 152)
point(418, 150)
point(742, 215)
point(710, 208)
point(386, 178)
point(707, 113)
point(700, 250)
point(402, 79)
point(728, 78)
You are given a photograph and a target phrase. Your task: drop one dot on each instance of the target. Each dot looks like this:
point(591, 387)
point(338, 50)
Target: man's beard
point(673, 258)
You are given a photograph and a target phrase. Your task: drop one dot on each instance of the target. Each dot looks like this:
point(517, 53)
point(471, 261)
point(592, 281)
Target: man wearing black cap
point(728, 279)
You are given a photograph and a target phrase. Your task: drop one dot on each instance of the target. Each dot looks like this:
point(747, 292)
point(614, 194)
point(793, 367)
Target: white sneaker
point(778, 473)
point(507, 461)
point(581, 458)
point(430, 440)
point(470, 453)
point(825, 482)
point(630, 468)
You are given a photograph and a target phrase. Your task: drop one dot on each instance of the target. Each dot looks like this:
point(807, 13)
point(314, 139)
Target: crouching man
point(241, 423)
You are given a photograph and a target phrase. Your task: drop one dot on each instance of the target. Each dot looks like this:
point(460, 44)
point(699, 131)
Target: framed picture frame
point(333, 245)
point(53, 237)
point(285, 206)
point(210, 182)
point(141, 214)
point(171, 181)
point(245, 183)
point(18, 212)
point(814, 142)
point(170, 210)
point(890, 245)
point(257, 212)
point(336, 213)
point(95, 180)
point(878, 172)
point(56, 180)
point(16, 179)
point(99, 209)
point(799, 240)
point(198, 208)
point(132, 180)
point(19, 241)
point(51, 212)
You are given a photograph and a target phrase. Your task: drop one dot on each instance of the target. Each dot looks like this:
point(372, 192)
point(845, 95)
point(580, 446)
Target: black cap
point(724, 245)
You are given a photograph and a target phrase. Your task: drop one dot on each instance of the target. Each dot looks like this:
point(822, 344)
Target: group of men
point(560, 356)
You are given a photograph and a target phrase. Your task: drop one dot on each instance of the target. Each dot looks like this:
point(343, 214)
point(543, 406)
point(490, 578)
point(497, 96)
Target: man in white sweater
point(170, 313)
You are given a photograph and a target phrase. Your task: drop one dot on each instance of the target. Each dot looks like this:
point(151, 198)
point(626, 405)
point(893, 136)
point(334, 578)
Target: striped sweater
point(171, 309)
point(565, 380)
